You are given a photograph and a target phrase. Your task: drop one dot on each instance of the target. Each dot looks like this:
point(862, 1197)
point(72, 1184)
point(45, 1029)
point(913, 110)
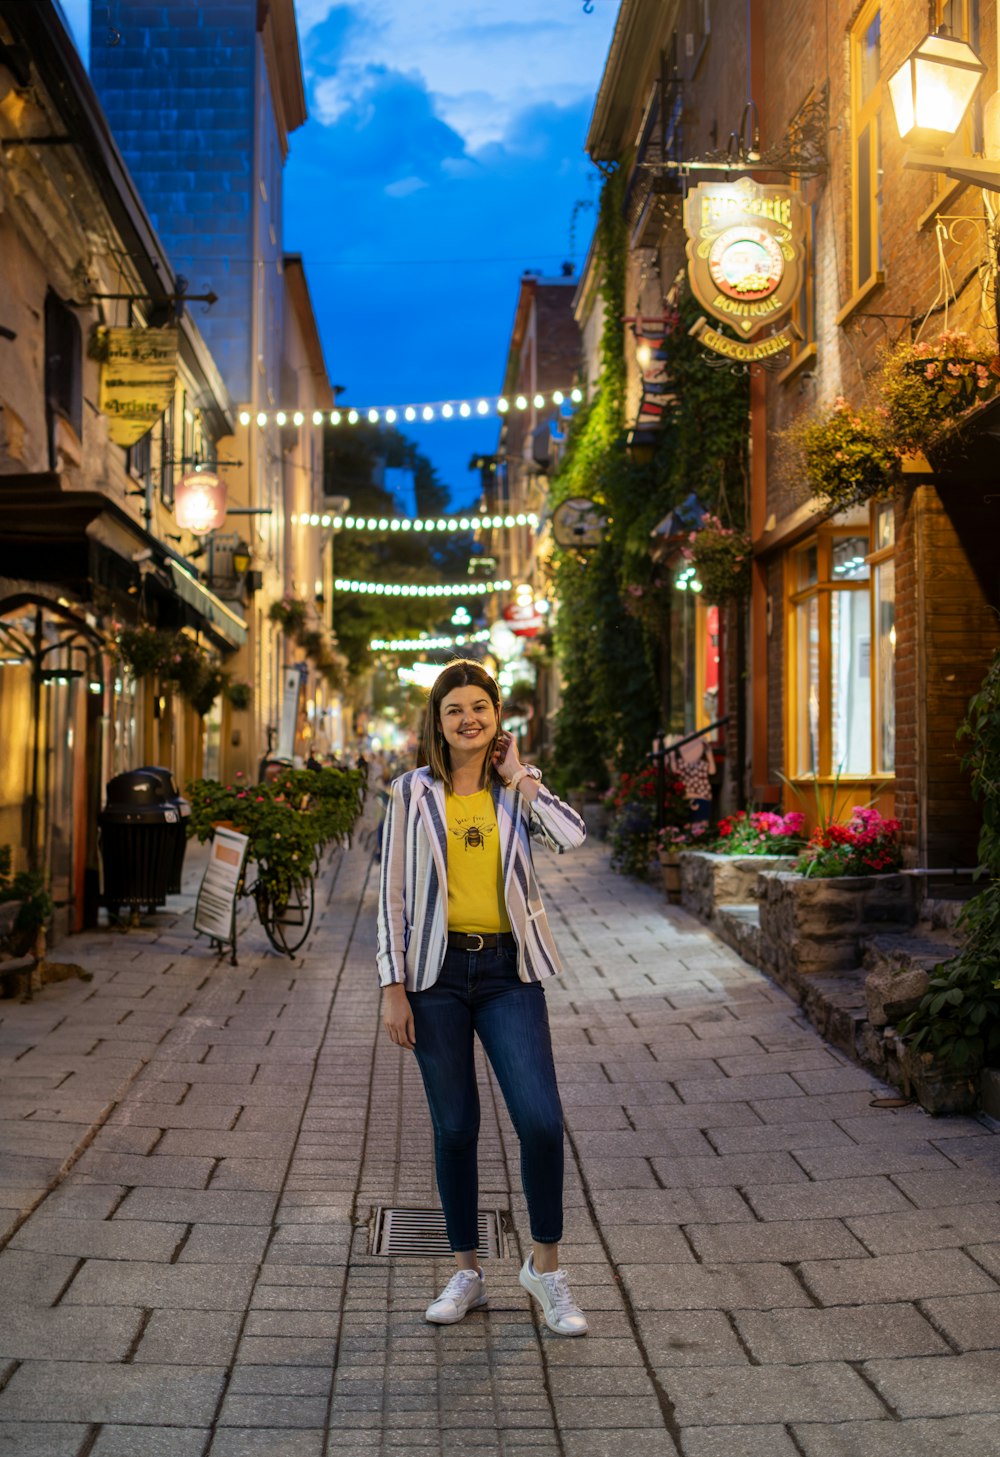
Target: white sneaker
point(464, 1292)
point(562, 1314)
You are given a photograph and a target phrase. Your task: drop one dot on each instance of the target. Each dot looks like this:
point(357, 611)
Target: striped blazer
point(413, 894)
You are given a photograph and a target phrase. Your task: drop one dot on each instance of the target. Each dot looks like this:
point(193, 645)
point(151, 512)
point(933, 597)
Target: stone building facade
point(89, 542)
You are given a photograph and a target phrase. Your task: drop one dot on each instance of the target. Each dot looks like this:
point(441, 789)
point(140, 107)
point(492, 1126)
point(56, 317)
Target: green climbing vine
point(615, 600)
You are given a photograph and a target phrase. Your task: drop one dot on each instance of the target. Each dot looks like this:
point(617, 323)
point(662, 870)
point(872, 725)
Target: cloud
point(507, 56)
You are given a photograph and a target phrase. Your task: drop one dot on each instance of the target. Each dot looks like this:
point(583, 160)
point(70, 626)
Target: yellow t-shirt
point(475, 872)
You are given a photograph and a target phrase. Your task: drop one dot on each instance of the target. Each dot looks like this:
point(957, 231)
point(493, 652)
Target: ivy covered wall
point(615, 600)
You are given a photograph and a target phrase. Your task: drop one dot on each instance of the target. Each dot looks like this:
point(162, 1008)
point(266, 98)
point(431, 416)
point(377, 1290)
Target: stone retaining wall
point(709, 880)
point(811, 927)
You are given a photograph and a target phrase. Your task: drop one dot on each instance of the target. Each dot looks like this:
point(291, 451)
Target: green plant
point(288, 821)
point(760, 832)
point(143, 649)
point(289, 614)
point(239, 694)
point(721, 556)
point(929, 385)
point(847, 453)
point(633, 834)
point(866, 845)
point(958, 1020)
point(36, 908)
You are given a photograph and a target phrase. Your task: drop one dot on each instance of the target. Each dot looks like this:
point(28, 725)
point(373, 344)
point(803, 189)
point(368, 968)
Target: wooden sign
point(745, 248)
point(138, 371)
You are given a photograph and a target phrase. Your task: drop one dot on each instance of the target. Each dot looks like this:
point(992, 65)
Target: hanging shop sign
point(747, 353)
point(200, 502)
point(745, 248)
point(523, 618)
point(138, 371)
point(579, 522)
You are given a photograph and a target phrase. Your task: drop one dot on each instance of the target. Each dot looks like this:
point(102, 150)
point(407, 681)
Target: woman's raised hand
point(505, 756)
point(397, 1016)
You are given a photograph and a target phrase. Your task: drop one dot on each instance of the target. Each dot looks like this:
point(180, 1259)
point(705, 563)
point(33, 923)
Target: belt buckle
point(475, 935)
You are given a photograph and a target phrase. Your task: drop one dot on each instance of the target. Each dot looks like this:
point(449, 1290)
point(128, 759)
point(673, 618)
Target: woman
point(463, 947)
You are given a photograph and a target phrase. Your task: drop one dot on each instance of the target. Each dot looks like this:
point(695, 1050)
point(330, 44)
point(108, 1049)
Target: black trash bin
point(138, 827)
point(173, 798)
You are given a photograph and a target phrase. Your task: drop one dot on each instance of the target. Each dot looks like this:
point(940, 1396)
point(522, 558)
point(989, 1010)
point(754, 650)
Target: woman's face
point(468, 720)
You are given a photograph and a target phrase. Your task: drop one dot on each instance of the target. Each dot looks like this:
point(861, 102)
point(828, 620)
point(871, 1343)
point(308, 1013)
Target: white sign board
point(216, 905)
point(292, 687)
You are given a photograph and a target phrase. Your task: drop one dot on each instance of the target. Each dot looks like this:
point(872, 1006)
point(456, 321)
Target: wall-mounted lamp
point(931, 93)
point(241, 560)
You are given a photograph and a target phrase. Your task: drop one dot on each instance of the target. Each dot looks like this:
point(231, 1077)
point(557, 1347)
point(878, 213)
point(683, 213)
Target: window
point(842, 643)
point(866, 105)
point(961, 19)
point(140, 459)
point(63, 368)
point(167, 456)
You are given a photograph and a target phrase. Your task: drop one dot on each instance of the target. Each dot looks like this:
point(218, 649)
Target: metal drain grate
point(422, 1232)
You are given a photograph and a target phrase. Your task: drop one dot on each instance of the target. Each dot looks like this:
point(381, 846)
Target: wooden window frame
point(865, 114)
point(823, 589)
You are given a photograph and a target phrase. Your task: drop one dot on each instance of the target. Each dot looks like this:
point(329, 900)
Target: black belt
point(473, 941)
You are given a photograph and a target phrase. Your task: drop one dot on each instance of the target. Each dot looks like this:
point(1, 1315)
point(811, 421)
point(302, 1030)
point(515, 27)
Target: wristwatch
point(526, 771)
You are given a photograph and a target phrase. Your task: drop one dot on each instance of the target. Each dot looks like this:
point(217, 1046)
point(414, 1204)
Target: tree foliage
point(354, 462)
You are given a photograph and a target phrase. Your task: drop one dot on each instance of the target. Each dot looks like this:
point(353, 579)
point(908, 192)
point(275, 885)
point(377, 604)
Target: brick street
point(770, 1264)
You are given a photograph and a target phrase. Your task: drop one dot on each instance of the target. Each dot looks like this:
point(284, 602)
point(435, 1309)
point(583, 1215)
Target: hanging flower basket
point(928, 386)
point(848, 455)
point(238, 695)
point(721, 557)
point(289, 614)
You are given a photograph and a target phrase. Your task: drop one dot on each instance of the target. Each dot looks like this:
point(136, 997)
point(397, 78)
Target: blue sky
point(443, 156)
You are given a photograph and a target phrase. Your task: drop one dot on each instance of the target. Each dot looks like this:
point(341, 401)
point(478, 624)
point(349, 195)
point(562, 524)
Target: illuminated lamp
point(933, 90)
point(200, 502)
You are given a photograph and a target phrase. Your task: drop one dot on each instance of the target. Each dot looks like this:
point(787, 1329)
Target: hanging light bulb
point(503, 405)
point(280, 418)
point(317, 417)
point(411, 413)
point(262, 419)
point(373, 417)
point(428, 413)
point(390, 416)
point(334, 417)
point(482, 408)
point(352, 417)
point(244, 417)
point(465, 409)
point(447, 411)
point(539, 401)
point(521, 402)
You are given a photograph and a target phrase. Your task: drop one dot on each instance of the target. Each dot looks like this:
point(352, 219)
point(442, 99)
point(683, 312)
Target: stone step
point(739, 927)
point(941, 913)
point(918, 950)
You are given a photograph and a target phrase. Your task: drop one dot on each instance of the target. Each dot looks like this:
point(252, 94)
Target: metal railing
point(659, 757)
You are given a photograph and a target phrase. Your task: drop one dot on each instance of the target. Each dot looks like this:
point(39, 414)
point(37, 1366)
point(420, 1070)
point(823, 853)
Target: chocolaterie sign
point(745, 249)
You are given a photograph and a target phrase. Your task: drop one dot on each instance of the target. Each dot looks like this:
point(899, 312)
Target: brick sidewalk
point(770, 1265)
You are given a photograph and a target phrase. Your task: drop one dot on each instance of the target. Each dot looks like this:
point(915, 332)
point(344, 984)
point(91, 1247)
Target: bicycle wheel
point(287, 922)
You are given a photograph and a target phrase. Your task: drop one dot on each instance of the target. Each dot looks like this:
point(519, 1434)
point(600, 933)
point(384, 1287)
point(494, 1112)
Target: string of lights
point(425, 644)
point(412, 589)
point(425, 412)
point(402, 523)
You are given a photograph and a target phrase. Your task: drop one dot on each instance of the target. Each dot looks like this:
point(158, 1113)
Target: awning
point(49, 533)
point(212, 608)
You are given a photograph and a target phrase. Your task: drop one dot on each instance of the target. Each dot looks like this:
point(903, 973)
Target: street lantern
point(933, 89)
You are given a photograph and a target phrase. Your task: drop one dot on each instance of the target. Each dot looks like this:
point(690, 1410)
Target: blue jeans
point(480, 992)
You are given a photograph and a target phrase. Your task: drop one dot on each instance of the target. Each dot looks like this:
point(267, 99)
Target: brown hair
point(434, 752)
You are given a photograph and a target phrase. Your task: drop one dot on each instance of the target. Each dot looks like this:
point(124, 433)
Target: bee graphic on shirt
point(474, 836)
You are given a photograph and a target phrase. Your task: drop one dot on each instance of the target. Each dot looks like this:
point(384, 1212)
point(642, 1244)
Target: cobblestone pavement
point(771, 1265)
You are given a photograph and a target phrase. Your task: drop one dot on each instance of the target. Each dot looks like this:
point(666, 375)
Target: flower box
point(814, 925)
point(709, 880)
point(670, 866)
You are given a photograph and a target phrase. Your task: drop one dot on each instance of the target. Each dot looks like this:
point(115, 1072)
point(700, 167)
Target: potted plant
point(239, 695)
point(929, 385)
point(143, 649)
point(846, 885)
point(289, 614)
point(848, 455)
point(721, 557)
